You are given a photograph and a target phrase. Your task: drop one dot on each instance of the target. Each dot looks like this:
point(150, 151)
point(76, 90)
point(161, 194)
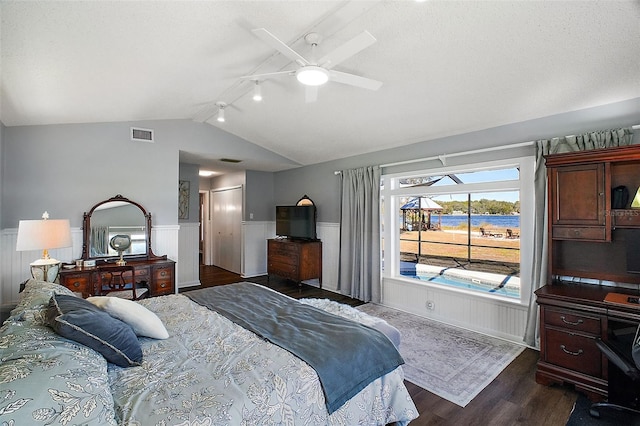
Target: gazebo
point(422, 205)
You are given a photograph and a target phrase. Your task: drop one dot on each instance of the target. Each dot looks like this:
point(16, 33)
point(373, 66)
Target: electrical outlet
point(430, 305)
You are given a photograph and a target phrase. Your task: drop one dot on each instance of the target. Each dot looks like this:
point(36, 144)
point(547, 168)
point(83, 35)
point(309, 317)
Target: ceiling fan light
point(312, 75)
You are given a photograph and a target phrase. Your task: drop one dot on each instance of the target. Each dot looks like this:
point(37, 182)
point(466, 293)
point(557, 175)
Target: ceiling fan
point(314, 73)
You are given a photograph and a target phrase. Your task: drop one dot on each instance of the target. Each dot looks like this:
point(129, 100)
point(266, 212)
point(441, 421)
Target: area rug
point(451, 362)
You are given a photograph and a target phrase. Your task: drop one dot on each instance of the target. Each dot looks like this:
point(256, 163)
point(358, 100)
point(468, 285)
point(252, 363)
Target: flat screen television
point(296, 222)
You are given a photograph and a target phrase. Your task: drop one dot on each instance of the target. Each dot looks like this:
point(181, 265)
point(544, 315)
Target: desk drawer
point(626, 218)
point(597, 233)
point(573, 351)
point(573, 321)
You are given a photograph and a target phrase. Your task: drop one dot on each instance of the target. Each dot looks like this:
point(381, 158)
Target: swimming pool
point(502, 285)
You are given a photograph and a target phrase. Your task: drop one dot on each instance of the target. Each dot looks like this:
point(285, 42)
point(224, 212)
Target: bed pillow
point(79, 320)
point(140, 319)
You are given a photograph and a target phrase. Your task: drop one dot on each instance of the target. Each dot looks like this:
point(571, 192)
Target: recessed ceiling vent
point(141, 135)
point(230, 160)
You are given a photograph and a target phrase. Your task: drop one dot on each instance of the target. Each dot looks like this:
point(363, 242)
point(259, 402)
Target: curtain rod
point(443, 157)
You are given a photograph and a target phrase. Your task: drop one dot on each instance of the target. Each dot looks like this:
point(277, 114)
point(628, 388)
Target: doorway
point(226, 228)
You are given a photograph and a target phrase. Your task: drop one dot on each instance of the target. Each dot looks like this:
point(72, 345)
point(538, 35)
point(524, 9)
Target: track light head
point(257, 92)
point(221, 107)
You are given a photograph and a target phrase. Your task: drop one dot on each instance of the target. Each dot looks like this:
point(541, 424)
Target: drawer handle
point(163, 285)
point(564, 320)
point(564, 348)
point(76, 284)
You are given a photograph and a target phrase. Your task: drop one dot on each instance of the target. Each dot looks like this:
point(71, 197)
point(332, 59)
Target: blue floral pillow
point(81, 321)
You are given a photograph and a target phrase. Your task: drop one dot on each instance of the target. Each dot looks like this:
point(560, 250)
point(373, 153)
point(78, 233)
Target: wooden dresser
point(296, 260)
point(157, 274)
point(587, 240)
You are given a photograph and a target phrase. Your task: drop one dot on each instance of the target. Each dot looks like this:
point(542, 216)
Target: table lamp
point(43, 235)
point(635, 204)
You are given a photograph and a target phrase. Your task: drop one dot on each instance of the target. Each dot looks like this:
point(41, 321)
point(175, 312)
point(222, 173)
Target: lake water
point(498, 221)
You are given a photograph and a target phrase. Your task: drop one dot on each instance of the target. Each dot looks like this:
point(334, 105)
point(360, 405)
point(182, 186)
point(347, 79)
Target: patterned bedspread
point(209, 372)
point(213, 372)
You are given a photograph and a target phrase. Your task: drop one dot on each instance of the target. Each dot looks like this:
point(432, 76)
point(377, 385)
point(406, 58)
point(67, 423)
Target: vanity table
point(157, 274)
point(111, 218)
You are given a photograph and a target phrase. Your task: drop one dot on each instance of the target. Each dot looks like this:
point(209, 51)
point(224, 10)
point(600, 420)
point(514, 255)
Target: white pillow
point(140, 319)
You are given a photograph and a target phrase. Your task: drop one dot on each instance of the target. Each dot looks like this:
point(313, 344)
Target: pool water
point(475, 285)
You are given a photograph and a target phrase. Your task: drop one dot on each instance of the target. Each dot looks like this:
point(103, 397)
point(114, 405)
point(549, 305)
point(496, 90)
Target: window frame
point(391, 191)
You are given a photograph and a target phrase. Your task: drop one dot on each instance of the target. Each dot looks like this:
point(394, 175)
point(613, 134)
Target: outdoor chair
point(511, 234)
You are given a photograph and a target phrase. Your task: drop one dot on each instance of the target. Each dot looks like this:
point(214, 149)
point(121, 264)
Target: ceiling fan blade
point(310, 94)
point(275, 42)
point(354, 80)
point(347, 50)
point(267, 75)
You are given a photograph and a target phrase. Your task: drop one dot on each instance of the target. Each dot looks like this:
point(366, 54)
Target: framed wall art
point(183, 199)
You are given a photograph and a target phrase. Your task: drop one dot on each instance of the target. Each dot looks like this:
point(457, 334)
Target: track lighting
point(257, 92)
point(221, 106)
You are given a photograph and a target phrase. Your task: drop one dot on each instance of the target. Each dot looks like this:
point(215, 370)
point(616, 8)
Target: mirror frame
point(86, 232)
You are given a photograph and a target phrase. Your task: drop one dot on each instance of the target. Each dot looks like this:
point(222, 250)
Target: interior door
point(226, 208)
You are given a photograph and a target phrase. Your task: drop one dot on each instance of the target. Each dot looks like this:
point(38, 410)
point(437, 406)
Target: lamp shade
point(43, 234)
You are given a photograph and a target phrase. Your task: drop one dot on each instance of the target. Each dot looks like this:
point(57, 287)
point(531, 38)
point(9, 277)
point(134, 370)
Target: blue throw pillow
point(81, 321)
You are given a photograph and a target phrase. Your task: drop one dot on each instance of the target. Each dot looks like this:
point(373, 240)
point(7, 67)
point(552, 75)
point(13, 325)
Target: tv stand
point(296, 260)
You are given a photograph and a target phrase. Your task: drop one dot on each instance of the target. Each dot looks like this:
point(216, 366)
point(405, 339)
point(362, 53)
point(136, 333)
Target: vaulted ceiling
point(447, 67)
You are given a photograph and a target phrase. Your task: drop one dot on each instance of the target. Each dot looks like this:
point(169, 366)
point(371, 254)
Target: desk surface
point(590, 297)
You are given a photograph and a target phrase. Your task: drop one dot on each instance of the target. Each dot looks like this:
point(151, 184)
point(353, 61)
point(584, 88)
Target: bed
point(209, 371)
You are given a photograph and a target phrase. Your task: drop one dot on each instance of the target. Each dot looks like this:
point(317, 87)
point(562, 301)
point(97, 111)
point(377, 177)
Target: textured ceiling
point(448, 67)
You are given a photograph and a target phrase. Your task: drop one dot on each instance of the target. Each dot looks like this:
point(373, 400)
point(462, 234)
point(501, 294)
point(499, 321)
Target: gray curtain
point(99, 240)
point(584, 142)
point(359, 267)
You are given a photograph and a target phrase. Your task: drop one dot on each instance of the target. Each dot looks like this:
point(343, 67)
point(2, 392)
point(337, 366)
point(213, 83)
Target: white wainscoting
point(189, 255)
point(15, 269)
point(254, 247)
point(254, 257)
point(485, 315)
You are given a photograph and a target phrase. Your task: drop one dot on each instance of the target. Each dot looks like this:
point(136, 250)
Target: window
point(466, 228)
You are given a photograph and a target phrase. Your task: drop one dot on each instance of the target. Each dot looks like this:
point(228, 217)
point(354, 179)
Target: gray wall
point(189, 172)
point(68, 168)
point(65, 169)
point(323, 186)
point(259, 196)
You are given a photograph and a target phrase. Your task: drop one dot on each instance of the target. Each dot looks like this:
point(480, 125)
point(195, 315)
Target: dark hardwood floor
point(513, 398)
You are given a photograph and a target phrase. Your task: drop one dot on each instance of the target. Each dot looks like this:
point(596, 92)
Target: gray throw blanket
point(346, 355)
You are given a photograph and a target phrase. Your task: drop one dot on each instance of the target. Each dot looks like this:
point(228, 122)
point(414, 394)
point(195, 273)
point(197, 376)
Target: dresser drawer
point(283, 269)
point(596, 233)
point(573, 321)
point(162, 280)
point(79, 283)
point(573, 351)
point(283, 249)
